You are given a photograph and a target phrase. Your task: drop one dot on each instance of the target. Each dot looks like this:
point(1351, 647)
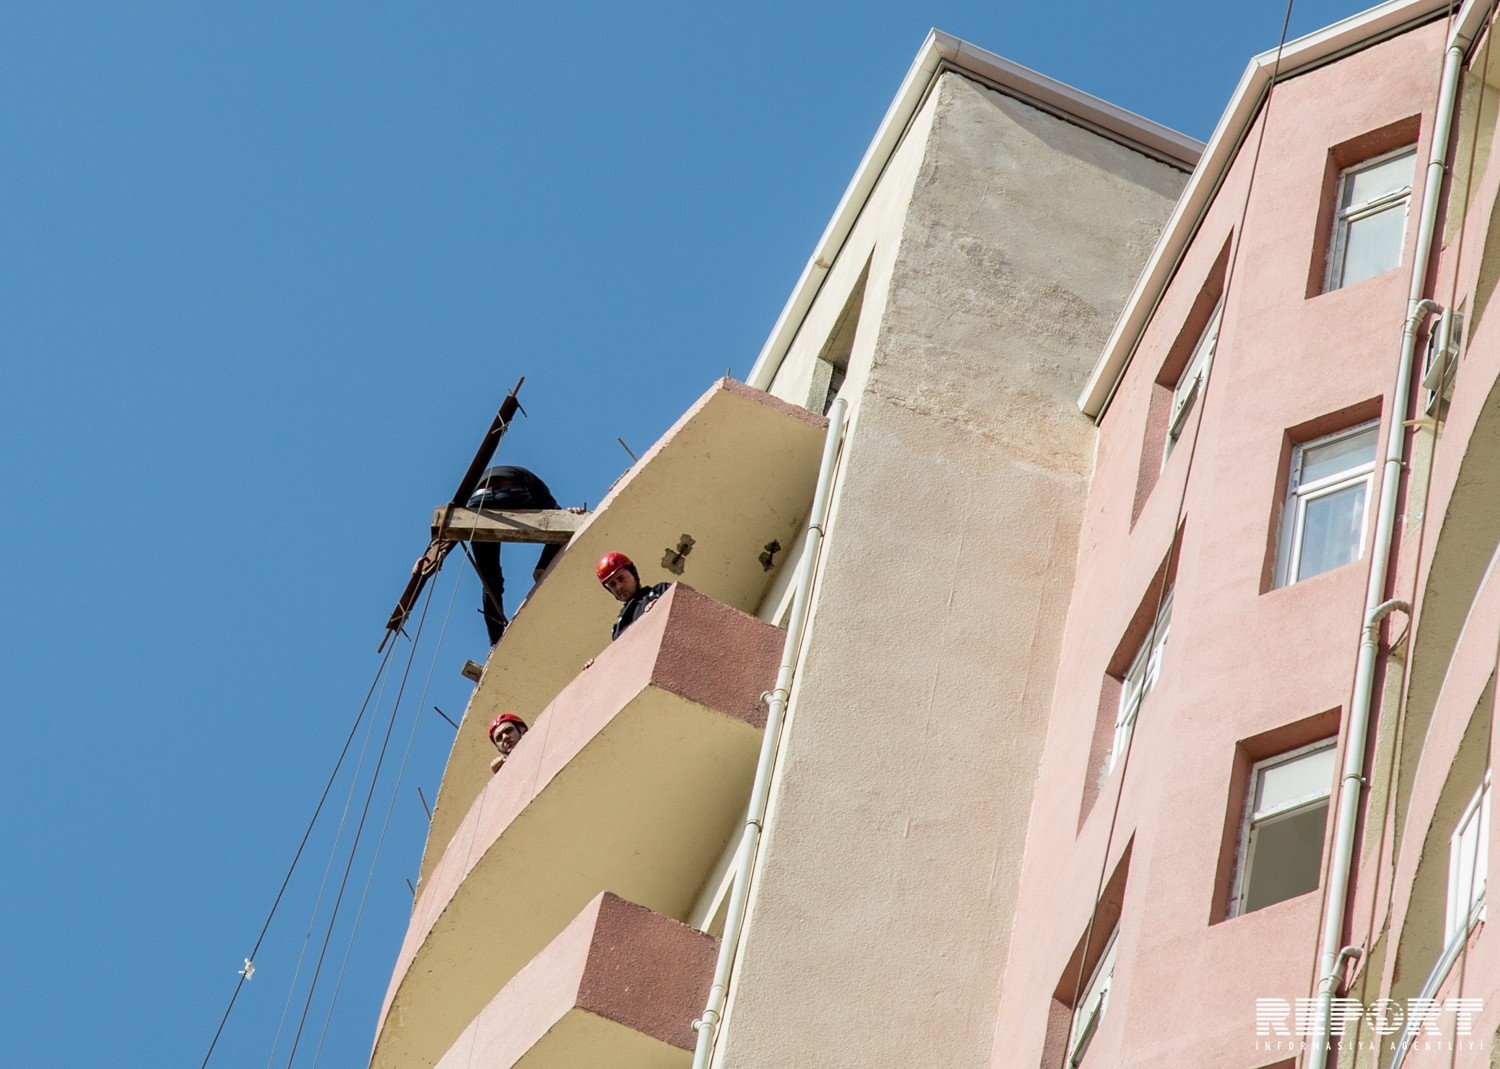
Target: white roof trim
point(1324, 46)
point(942, 52)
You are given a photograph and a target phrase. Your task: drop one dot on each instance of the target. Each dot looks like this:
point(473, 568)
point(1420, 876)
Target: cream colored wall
point(881, 909)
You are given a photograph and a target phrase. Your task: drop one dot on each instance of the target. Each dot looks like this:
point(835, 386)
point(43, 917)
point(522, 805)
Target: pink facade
point(1257, 666)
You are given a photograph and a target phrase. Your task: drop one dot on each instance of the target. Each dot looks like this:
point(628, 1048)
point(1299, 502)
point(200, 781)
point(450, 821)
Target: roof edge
point(1305, 53)
point(942, 52)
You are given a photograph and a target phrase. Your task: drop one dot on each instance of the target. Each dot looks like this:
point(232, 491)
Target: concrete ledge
point(735, 473)
point(633, 779)
point(619, 986)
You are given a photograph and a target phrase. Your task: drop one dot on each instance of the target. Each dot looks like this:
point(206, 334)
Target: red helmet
point(505, 718)
point(611, 563)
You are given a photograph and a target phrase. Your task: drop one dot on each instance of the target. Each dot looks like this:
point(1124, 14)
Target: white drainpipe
point(1331, 951)
point(707, 1026)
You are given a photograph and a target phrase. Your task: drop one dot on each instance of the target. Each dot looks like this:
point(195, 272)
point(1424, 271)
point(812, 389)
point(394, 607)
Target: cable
point(390, 808)
point(359, 828)
point(1174, 548)
point(323, 885)
point(318, 809)
point(387, 649)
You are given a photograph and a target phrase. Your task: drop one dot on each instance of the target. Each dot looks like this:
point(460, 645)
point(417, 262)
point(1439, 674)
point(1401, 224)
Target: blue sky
point(267, 272)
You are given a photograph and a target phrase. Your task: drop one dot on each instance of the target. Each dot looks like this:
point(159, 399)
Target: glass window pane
point(1378, 179)
point(1332, 530)
point(1482, 843)
point(1092, 1004)
point(1284, 857)
point(1467, 866)
point(1462, 873)
point(1294, 781)
point(1321, 461)
point(1372, 244)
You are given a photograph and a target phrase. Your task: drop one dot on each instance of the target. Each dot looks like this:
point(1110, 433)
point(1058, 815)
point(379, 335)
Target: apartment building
point(1082, 649)
point(1261, 822)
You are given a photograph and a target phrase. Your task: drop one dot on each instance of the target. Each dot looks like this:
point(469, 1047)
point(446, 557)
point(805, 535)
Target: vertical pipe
point(1352, 779)
point(707, 1026)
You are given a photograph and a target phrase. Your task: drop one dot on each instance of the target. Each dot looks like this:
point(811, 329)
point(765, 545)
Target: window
point(1370, 226)
point(1144, 670)
point(1324, 524)
point(1091, 1005)
point(1281, 845)
point(1468, 859)
point(1190, 384)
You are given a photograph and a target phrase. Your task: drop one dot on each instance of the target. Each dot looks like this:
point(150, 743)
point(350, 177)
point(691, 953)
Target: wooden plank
point(494, 525)
point(430, 561)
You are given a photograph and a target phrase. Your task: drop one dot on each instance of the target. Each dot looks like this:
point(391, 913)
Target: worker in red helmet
point(618, 575)
point(505, 731)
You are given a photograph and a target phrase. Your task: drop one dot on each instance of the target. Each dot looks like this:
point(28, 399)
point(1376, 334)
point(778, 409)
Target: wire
point(416, 721)
point(338, 836)
point(1175, 547)
point(379, 672)
point(359, 828)
point(387, 651)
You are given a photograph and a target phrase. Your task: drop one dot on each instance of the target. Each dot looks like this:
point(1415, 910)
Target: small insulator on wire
point(248, 972)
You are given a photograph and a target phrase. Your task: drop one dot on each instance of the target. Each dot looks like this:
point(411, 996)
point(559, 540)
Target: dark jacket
point(636, 607)
point(525, 492)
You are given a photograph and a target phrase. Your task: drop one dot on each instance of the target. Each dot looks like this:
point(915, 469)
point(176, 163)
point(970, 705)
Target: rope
point(286, 1007)
point(359, 828)
point(1173, 549)
point(385, 826)
point(318, 809)
point(388, 650)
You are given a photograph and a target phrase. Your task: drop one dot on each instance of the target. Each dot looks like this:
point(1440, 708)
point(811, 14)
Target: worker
point(506, 487)
point(618, 575)
point(505, 731)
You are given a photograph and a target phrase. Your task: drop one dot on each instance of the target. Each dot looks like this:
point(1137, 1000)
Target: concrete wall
point(1251, 670)
point(1001, 242)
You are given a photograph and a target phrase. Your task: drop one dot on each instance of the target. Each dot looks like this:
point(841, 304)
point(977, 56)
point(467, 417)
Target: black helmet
point(500, 486)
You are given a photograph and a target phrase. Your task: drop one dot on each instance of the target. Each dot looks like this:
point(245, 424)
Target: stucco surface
point(1248, 665)
point(881, 909)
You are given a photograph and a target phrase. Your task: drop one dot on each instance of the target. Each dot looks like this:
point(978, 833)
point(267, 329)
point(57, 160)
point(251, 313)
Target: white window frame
point(1348, 215)
point(1092, 1003)
point(1190, 382)
point(1289, 557)
point(1468, 852)
point(1252, 818)
point(1140, 680)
